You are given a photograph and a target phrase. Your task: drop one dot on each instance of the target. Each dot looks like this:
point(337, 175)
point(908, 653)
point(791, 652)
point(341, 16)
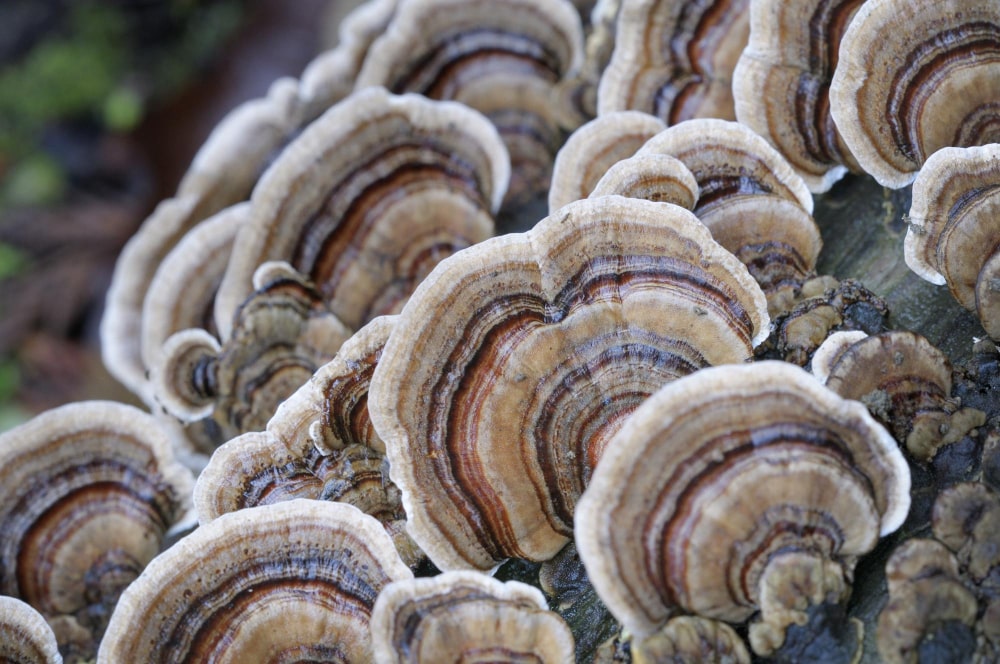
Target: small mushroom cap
point(292, 581)
point(181, 294)
point(500, 57)
point(25, 637)
point(517, 359)
point(675, 60)
point(88, 494)
point(594, 148)
point(716, 471)
point(467, 616)
point(782, 80)
point(831, 350)
point(728, 159)
point(966, 518)
point(333, 202)
point(651, 177)
point(909, 83)
point(690, 639)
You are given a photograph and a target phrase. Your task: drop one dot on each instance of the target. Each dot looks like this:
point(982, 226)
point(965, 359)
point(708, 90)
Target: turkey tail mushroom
point(25, 637)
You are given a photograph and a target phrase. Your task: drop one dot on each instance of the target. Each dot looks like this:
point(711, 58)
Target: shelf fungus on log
point(576, 94)
point(736, 492)
point(954, 234)
point(25, 637)
point(517, 359)
point(594, 148)
point(319, 444)
point(652, 177)
point(90, 491)
point(295, 581)
point(966, 519)
point(691, 639)
point(781, 84)
point(904, 381)
point(368, 198)
point(502, 58)
point(930, 615)
point(281, 334)
point(675, 59)
point(752, 201)
point(909, 83)
point(181, 294)
point(465, 616)
point(222, 173)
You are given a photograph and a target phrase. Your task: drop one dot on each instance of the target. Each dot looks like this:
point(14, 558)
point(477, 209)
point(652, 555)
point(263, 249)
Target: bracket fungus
point(691, 639)
point(500, 57)
point(954, 234)
point(89, 493)
point(594, 148)
point(738, 491)
point(282, 333)
point(910, 82)
point(781, 84)
point(294, 581)
point(576, 94)
point(465, 616)
point(335, 203)
point(517, 359)
point(25, 637)
point(904, 381)
point(675, 60)
point(652, 177)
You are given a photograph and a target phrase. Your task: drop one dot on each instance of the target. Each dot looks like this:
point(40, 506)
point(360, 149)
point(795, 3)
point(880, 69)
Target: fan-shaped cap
point(904, 380)
point(466, 616)
point(87, 495)
point(518, 358)
point(966, 518)
point(25, 637)
point(296, 580)
point(500, 57)
point(281, 335)
point(651, 177)
point(691, 639)
point(675, 59)
point(781, 84)
point(594, 148)
point(910, 82)
point(368, 198)
point(954, 225)
point(714, 489)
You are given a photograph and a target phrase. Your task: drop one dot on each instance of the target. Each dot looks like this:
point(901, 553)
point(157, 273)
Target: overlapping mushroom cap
point(25, 637)
point(295, 581)
point(517, 359)
point(467, 616)
point(675, 59)
point(912, 80)
point(88, 493)
point(691, 639)
point(781, 84)
point(737, 489)
point(500, 57)
point(282, 333)
point(368, 198)
point(954, 234)
point(905, 382)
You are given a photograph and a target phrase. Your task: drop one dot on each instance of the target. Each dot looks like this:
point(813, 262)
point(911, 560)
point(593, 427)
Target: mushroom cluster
point(389, 390)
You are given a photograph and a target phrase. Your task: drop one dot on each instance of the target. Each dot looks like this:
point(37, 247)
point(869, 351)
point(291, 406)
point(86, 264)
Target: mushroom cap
point(517, 359)
point(781, 84)
point(181, 294)
point(675, 60)
point(716, 472)
point(25, 637)
point(728, 159)
point(595, 147)
point(500, 57)
point(966, 518)
point(292, 581)
point(691, 639)
point(831, 350)
point(652, 177)
point(334, 201)
point(281, 334)
point(910, 82)
point(467, 616)
point(89, 491)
